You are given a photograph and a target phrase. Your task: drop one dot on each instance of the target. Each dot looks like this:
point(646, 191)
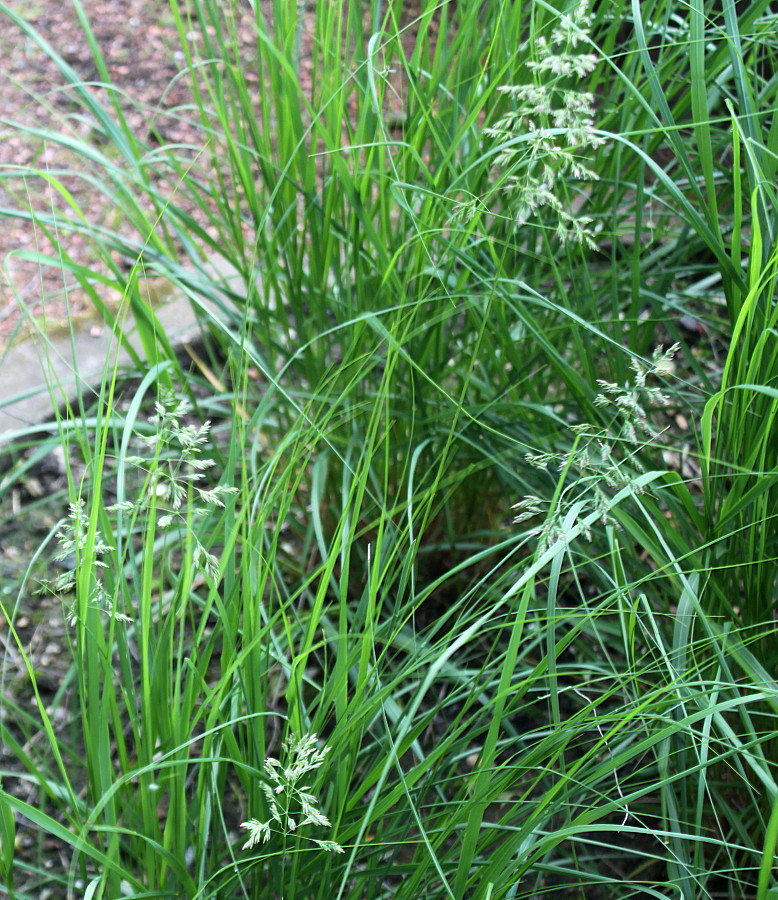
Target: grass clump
point(435, 536)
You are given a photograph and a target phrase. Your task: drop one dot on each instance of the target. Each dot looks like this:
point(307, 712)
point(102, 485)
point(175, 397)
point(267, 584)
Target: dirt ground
point(142, 52)
point(141, 47)
point(138, 39)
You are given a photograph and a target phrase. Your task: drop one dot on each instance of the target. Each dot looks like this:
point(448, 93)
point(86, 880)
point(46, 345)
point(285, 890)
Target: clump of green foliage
point(416, 323)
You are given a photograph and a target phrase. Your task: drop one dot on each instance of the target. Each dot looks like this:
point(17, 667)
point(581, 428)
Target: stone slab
point(40, 373)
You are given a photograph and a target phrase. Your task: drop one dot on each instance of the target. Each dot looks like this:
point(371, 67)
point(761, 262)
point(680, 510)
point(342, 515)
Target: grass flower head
point(290, 803)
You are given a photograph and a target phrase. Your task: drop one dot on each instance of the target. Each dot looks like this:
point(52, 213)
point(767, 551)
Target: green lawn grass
point(466, 517)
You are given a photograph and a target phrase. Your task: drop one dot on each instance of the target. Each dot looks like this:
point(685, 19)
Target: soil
point(138, 39)
point(141, 48)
